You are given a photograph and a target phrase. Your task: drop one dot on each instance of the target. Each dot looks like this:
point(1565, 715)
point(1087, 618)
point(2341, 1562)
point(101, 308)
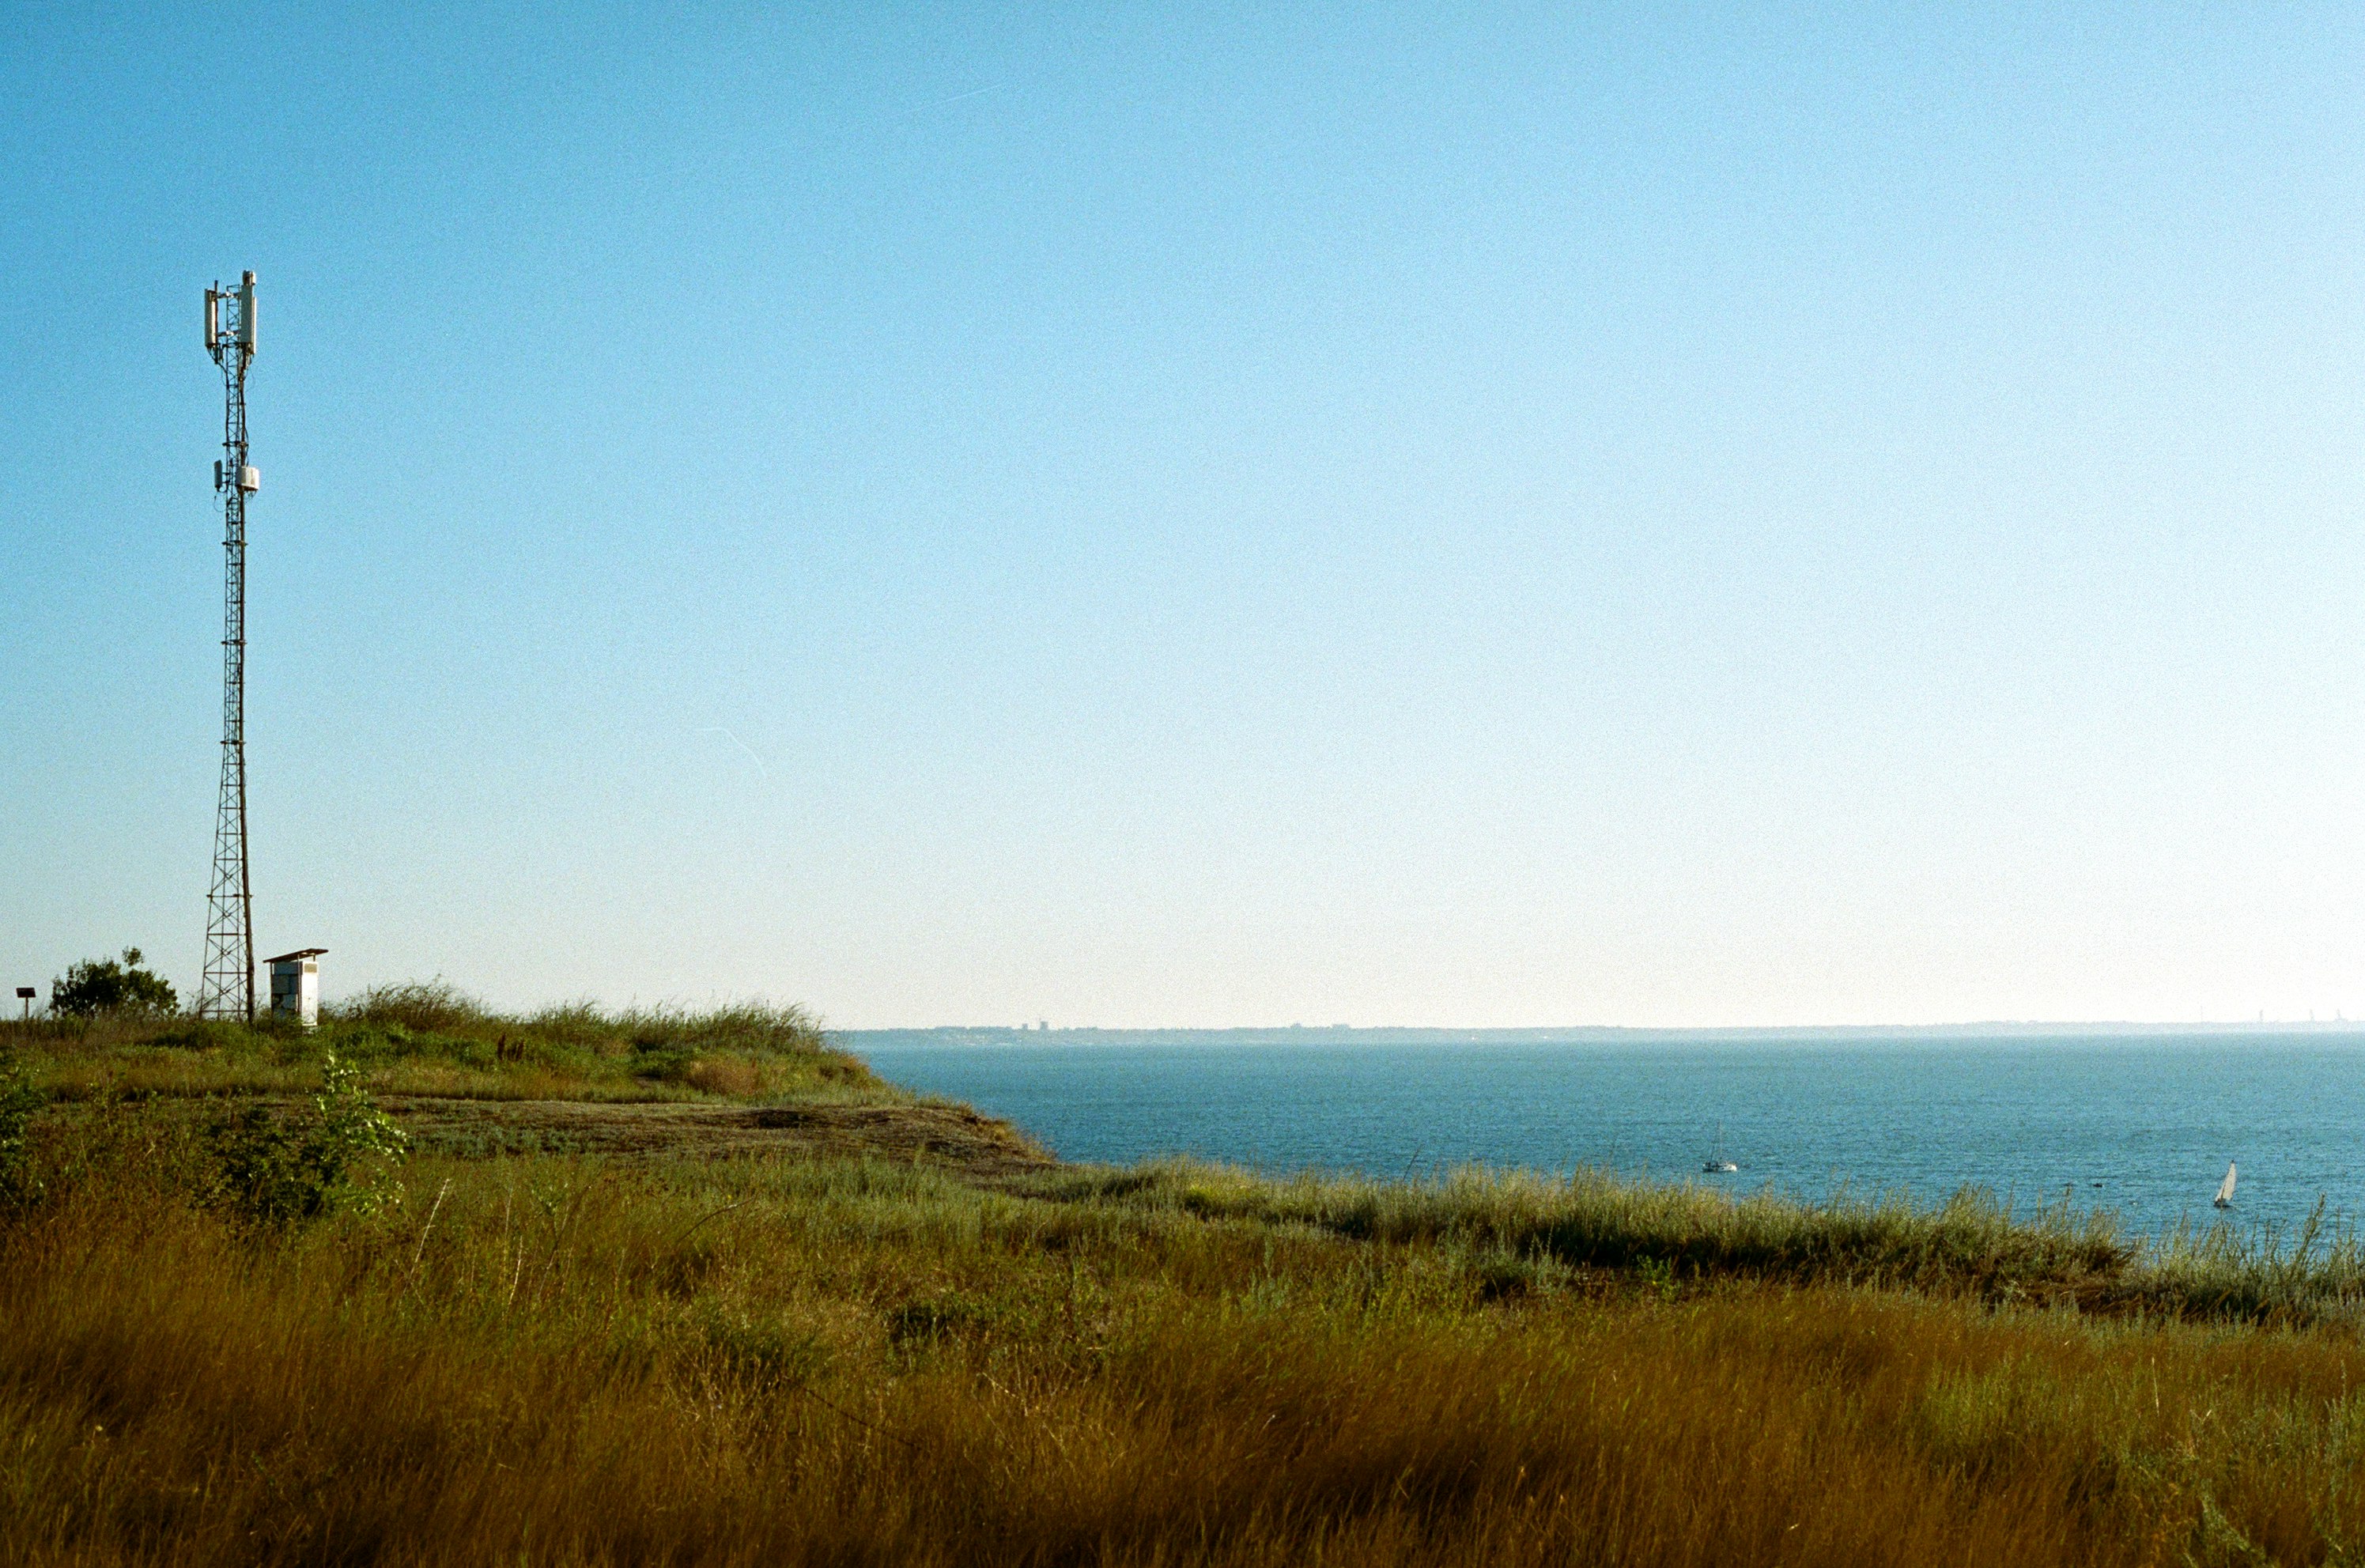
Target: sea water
point(2142, 1125)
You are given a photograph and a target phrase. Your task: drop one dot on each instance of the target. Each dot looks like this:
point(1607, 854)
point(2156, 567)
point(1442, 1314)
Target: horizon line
point(2105, 1025)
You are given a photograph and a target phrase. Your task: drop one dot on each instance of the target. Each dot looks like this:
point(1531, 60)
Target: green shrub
point(273, 1169)
point(103, 985)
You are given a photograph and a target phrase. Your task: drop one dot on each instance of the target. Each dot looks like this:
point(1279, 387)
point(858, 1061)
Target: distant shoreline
point(1587, 1035)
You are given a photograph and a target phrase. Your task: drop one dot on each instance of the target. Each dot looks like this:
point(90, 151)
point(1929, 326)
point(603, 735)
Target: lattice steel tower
point(228, 989)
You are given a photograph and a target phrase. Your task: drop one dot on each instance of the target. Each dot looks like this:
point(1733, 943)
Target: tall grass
point(436, 1008)
point(1593, 1217)
point(430, 1038)
point(543, 1360)
point(1972, 1244)
point(2316, 1270)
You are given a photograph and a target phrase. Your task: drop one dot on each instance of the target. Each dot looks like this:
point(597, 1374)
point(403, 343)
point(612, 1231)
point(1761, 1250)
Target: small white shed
point(295, 985)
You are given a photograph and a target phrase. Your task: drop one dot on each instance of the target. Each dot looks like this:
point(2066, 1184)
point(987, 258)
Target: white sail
point(2225, 1188)
point(1717, 1164)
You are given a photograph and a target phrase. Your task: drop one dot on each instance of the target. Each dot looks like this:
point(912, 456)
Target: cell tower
point(228, 989)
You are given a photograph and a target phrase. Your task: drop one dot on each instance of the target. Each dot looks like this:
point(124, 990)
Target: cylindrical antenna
point(213, 319)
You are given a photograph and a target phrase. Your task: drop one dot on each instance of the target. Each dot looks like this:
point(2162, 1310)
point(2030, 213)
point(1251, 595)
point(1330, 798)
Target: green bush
point(103, 985)
point(273, 1169)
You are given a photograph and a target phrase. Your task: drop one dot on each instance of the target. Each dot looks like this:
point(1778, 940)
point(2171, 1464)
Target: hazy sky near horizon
point(1147, 516)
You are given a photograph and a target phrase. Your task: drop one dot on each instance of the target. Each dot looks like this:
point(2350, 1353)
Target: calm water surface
point(2143, 1125)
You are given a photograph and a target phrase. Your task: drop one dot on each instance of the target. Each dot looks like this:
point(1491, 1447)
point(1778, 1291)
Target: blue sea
point(2142, 1124)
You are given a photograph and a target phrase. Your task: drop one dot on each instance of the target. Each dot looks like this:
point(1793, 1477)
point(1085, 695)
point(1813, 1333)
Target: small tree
point(103, 985)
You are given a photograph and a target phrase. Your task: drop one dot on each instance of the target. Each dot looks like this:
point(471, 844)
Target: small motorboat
point(2224, 1199)
point(1717, 1164)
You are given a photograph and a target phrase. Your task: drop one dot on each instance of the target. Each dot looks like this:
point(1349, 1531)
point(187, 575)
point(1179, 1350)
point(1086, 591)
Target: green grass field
point(958, 1352)
point(429, 1039)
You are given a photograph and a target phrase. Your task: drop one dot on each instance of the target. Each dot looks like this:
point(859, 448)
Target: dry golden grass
point(725, 1075)
point(782, 1359)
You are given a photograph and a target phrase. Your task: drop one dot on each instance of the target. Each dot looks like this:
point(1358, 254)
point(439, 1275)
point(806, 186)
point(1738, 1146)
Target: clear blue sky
point(1134, 517)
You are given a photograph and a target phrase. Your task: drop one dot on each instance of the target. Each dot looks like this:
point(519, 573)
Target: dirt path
point(981, 1147)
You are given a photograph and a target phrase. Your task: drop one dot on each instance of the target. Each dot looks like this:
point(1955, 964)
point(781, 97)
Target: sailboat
point(2225, 1188)
point(1717, 1164)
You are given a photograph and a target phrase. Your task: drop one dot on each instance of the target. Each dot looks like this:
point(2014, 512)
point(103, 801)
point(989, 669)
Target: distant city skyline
point(1757, 516)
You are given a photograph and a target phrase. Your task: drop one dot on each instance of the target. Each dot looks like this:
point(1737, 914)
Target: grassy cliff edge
point(855, 1348)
